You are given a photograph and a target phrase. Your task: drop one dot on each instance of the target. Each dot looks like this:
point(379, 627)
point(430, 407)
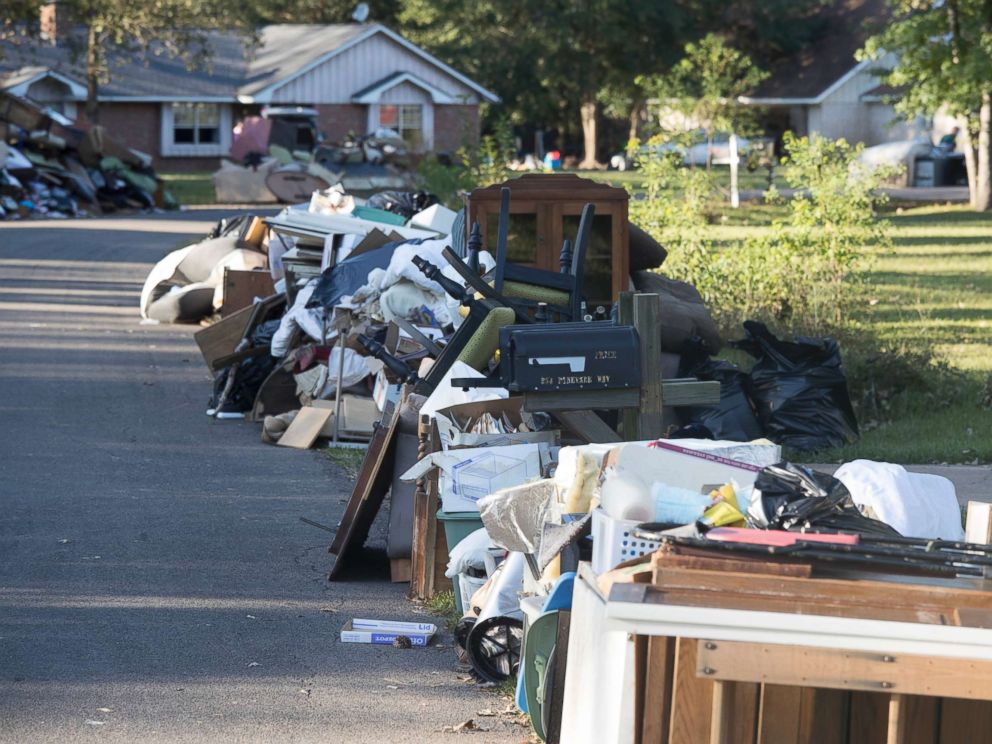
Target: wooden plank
point(305, 428)
point(580, 400)
point(657, 707)
point(705, 563)
point(897, 732)
point(965, 721)
point(690, 393)
point(922, 719)
point(587, 425)
point(399, 570)
point(222, 338)
point(847, 670)
point(420, 509)
point(735, 712)
point(242, 287)
point(869, 719)
point(936, 597)
point(692, 698)
point(625, 316)
point(823, 716)
point(370, 490)
point(641, 643)
point(779, 717)
point(557, 701)
point(647, 317)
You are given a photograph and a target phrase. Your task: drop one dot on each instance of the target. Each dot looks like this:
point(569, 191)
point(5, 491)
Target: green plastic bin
point(458, 526)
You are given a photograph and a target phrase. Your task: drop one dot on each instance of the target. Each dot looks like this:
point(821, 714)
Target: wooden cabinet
point(544, 210)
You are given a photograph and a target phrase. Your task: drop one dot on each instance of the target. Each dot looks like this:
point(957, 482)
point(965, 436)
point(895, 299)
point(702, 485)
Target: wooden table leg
point(897, 720)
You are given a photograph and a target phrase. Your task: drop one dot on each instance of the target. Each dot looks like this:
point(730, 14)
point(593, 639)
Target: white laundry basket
point(613, 543)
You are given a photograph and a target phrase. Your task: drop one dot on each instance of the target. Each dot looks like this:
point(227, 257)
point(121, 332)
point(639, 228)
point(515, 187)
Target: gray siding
point(336, 80)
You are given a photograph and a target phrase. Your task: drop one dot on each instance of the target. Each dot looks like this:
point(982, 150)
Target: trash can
point(458, 526)
point(924, 173)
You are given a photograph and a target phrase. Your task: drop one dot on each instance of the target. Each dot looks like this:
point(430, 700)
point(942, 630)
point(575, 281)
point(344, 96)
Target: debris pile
point(541, 433)
point(51, 168)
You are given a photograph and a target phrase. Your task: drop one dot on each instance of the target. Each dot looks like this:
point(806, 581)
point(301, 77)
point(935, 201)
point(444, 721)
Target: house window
point(408, 120)
point(195, 123)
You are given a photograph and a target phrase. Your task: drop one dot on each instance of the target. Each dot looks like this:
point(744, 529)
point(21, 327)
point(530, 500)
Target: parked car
point(695, 153)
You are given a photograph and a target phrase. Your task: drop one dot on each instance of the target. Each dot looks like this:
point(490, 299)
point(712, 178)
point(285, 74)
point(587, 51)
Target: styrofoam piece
point(438, 218)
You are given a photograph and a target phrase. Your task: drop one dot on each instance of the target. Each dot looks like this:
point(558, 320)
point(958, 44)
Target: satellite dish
point(361, 13)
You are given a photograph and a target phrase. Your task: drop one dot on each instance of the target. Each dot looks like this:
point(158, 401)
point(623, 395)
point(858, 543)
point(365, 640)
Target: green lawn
point(932, 289)
point(190, 188)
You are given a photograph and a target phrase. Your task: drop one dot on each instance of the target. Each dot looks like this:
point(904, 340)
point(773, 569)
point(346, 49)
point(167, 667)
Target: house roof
point(372, 93)
point(236, 70)
point(813, 72)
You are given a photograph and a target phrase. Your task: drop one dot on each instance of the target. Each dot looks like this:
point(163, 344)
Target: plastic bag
point(405, 203)
point(793, 497)
point(799, 390)
point(733, 418)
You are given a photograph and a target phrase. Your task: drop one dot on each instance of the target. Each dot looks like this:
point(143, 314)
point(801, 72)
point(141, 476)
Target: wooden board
point(658, 678)
point(647, 312)
point(692, 698)
point(370, 490)
point(587, 425)
point(805, 666)
point(222, 338)
point(242, 287)
point(305, 428)
point(965, 721)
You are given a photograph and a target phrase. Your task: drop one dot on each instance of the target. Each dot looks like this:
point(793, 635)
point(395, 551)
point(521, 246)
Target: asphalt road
point(156, 583)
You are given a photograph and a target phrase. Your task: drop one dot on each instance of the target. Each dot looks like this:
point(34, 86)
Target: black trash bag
point(403, 203)
point(732, 419)
point(799, 390)
point(795, 498)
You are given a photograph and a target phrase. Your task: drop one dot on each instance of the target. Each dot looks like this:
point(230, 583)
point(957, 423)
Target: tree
point(120, 29)
point(103, 33)
point(319, 11)
point(705, 85)
point(18, 18)
point(940, 55)
point(553, 62)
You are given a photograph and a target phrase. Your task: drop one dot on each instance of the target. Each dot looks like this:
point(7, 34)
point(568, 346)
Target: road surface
point(156, 584)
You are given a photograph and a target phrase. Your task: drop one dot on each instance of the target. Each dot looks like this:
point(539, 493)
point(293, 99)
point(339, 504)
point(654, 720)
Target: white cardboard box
point(384, 632)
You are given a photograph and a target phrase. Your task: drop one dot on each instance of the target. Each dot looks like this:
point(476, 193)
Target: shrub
point(803, 274)
point(470, 168)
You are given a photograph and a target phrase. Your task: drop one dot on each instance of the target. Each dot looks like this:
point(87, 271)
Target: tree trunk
point(981, 194)
point(634, 119)
point(92, 77)
point(588, 113)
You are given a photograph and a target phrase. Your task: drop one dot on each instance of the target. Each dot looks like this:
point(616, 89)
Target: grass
point(443, 604)
point(190, 188)
point(348, 459)
point(634, 179)
point(933, 289)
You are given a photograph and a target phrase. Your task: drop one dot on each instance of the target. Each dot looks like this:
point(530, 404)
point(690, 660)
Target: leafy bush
point(470, 168)
point(801, 276)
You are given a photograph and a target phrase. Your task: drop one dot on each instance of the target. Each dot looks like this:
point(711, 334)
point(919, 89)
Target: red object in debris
point(776, 538)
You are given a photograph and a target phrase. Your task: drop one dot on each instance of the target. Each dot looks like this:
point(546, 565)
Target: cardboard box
point(385, 390)
point(667, 462)
point(358, 417)
point(453, 420)
point(384, 632)
point(468, 475)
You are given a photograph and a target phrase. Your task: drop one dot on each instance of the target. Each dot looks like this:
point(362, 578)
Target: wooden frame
point(370, 490)
point(552, 198)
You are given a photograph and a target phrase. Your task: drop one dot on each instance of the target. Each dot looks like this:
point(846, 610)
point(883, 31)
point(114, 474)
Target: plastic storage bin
point(458, 526)
point(612, 542)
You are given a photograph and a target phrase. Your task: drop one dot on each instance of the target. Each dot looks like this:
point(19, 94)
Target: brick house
point(357, 76)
